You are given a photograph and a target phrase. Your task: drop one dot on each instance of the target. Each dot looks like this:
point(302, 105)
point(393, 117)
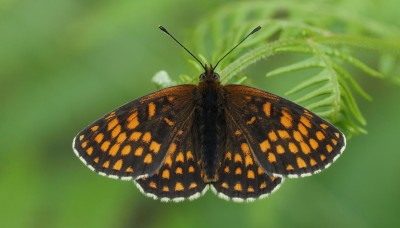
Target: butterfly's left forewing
point(286, 139)
point(133, 140)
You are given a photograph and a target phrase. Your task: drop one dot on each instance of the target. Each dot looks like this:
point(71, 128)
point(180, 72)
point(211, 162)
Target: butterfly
point(178, 142)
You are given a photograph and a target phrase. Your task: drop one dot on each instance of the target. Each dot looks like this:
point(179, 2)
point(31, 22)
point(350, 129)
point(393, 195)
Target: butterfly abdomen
point(210, 126)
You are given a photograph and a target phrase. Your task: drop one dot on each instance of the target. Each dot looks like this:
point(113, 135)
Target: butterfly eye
point(216, 75)
point(202, 76)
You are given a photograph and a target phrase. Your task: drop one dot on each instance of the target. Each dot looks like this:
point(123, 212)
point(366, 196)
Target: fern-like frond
point(310, 29)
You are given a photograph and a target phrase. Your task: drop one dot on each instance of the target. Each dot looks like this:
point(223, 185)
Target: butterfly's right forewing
point(133, 140)
point(286, 139)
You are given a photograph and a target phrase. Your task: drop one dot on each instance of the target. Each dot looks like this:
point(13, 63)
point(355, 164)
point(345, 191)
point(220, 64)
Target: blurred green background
point(65, 63)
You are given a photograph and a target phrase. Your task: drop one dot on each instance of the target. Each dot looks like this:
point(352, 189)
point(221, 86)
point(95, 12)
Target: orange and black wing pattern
point(286, 139)
point(179, 177)
point(240, 177)
point(133, 140)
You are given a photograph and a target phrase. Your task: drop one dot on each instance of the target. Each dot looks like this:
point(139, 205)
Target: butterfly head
point(209, 74)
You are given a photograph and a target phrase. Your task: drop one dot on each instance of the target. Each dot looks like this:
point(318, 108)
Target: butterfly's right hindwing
point(240, 177)
point(133, 140)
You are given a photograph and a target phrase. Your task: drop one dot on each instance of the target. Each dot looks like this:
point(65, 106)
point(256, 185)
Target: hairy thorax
point(210, 126)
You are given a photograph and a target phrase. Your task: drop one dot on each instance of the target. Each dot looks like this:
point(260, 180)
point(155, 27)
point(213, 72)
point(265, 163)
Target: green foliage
point(312, 30)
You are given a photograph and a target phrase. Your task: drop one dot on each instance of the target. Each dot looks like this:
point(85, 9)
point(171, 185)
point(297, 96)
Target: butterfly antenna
point(169, 34)
point(251, 33)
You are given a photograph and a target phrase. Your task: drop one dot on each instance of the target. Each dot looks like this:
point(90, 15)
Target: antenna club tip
point(162, 28)
point(256, 29)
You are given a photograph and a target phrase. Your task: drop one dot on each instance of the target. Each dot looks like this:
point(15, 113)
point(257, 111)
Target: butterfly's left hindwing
point(133, 140)
point(180, 175)
point(286, 139)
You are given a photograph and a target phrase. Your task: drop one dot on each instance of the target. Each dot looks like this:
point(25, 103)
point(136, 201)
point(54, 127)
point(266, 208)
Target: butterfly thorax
point(209, 124)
